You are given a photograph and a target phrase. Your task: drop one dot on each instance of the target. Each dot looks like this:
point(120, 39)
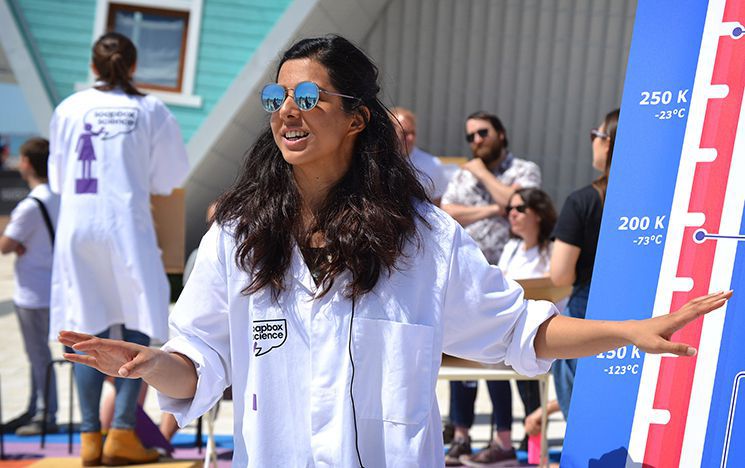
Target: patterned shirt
point(491, 234)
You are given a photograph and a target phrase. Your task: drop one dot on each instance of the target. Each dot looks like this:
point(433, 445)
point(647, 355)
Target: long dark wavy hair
point(367, 218)
point(610, 123)
point(541, 204)
point(114, 55)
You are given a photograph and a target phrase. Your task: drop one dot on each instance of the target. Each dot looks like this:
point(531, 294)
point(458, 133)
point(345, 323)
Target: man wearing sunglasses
point(476, 197)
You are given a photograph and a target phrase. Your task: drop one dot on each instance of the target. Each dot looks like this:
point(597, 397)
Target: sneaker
point(493, 453)
point(34, 428)
point(11, 426)
point(458, 447)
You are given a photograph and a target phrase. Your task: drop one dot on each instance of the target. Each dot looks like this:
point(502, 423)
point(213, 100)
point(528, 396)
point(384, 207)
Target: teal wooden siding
point(231, 31)
point(62, 32)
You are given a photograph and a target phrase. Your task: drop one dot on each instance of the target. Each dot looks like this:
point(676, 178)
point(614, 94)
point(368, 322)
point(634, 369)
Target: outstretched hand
point(562, 337)
point(111, 357)
point(653, 335)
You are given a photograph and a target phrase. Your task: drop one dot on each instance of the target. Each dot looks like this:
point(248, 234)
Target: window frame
point(116, 6)
point(190, 50)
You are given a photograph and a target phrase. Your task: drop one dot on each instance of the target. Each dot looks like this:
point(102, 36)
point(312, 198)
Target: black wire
point(351, 390)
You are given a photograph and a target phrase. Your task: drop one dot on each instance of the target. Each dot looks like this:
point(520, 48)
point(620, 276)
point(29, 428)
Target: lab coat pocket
point(393, 370)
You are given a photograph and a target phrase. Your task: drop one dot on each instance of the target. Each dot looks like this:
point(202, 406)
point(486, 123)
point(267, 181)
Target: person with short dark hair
point(111, 148)
point(328, 287)
point(478, 193)
point(30, 235)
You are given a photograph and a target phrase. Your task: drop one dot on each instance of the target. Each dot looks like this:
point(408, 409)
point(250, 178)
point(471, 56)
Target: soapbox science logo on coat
point(268, 334)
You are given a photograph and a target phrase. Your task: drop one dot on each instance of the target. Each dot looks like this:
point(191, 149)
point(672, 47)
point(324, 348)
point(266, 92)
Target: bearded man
point(476, 197)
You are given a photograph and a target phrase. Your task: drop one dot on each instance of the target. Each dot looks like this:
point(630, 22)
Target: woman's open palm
point(112, 357)
point(653, 335)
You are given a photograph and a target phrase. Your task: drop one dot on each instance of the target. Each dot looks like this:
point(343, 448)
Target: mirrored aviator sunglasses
point(306, 95)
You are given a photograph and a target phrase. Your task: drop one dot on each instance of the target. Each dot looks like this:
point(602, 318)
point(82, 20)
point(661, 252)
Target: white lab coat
point(107, 265)
point(289, 362)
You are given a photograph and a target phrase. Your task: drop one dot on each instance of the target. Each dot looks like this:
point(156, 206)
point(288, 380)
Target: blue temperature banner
point(672, 230)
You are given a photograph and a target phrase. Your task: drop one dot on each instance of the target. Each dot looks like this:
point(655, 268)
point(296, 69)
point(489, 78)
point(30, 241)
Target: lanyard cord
point(351, 390)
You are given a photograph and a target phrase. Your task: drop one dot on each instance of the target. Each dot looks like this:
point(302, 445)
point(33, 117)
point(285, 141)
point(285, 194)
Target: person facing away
point(111, 148)
point(30, 235)
point(430, 170)
point(476, 197)
point(328, 287)
point(576, 241)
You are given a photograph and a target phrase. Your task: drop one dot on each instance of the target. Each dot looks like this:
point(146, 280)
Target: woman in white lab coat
point(110, 148)
point(329, 286)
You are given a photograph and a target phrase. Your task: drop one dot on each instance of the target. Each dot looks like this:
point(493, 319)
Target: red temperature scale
point(672, 230)
point(672, 410)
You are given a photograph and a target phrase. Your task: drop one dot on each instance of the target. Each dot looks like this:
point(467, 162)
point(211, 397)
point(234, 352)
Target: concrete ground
point(15, 382)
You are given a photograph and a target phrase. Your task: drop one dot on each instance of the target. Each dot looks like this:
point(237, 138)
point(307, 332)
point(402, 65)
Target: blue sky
point(15, 116)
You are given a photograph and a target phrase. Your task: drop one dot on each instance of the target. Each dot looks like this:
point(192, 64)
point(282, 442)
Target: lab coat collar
point(300, 272)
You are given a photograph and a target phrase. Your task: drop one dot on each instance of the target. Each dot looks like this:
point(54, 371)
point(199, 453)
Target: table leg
point(543, 386)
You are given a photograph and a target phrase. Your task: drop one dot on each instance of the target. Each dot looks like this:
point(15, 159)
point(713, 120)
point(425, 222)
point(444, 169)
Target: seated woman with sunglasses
point(532, 218)
point(328, 287)
point(526, 255)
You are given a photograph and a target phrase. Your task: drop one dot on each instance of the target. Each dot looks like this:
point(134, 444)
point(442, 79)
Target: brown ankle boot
point(90, 448)
point(123, 447)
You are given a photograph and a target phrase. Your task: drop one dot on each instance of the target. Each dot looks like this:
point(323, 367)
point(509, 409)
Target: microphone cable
point(351, 389)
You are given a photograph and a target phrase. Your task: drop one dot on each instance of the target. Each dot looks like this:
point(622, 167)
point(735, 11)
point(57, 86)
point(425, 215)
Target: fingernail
point(691, 351)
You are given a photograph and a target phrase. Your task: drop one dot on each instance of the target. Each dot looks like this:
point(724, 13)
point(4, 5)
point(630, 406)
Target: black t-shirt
point(579, 225)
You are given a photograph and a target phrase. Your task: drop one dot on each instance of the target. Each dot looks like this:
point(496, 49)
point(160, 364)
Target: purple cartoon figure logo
point(268, 334)
point(86, 155)
point(108, 123)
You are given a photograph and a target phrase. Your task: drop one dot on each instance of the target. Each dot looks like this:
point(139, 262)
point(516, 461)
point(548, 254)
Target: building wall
point(231, 32)
point(551, 69)
point(62, 34)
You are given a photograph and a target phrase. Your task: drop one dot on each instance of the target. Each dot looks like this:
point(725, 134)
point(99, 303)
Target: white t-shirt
point(436, 180)
point(518, 263)
point(33, 269)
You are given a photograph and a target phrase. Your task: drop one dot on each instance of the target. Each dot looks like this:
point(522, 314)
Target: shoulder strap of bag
point(47, 219)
